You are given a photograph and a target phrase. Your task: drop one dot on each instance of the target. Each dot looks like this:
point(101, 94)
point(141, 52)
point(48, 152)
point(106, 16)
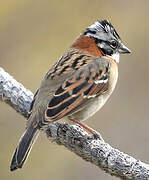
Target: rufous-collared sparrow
point(76, 86)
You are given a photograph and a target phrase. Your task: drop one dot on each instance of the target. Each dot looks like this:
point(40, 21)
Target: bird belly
point(91, 108)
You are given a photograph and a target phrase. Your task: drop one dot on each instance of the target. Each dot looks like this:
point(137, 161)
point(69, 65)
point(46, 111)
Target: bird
point(76, 86)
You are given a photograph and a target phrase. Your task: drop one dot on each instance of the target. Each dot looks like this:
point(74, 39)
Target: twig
point(74, 137)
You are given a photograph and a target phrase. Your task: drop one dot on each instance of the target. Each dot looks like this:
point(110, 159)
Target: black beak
point(123, 49)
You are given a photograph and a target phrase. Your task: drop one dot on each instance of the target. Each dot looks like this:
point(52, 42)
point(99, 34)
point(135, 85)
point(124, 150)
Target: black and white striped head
point(107, 39)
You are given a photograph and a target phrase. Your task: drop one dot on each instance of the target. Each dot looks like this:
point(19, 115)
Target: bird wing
point(88, 82)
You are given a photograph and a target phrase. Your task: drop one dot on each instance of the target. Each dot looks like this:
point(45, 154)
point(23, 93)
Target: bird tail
point(24, 147)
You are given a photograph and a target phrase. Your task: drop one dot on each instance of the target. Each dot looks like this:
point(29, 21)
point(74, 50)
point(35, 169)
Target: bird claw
point(97, 135)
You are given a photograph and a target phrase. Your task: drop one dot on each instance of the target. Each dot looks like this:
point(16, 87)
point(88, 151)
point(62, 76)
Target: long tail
point(23, 148)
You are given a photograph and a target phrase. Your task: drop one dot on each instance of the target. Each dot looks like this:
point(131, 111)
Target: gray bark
point(74, 137)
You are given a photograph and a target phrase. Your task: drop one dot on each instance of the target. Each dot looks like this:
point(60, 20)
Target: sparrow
point(76, 86)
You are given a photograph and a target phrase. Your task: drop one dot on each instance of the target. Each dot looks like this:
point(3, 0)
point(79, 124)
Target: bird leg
point(95, 134)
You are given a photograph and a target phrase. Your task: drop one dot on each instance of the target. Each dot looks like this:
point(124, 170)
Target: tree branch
point(74, 137)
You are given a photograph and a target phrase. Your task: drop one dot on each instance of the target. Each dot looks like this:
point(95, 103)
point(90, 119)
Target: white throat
point(116, 57)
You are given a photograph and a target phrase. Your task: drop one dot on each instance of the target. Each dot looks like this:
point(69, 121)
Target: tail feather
point(23, 148)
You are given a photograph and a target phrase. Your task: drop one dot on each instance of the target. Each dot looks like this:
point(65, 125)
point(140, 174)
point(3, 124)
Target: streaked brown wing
point(84, 84)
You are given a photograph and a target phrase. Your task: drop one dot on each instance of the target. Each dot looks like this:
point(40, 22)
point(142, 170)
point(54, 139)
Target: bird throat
point(88, 45)
point(116, 57)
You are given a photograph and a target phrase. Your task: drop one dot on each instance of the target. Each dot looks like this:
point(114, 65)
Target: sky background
point(33, 35)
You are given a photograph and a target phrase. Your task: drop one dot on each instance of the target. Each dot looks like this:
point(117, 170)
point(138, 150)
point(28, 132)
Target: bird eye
point(113, 44)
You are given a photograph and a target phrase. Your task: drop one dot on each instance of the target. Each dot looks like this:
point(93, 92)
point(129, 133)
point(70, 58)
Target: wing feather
point(89, 82)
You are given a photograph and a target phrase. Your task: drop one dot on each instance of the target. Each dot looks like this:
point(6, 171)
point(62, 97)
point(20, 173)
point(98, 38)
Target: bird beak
point(123, 49)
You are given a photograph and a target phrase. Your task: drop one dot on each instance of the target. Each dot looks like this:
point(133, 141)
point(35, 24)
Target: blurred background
point(34, 34)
